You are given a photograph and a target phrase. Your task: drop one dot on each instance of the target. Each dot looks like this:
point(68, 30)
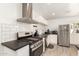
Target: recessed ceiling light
point(53, 14)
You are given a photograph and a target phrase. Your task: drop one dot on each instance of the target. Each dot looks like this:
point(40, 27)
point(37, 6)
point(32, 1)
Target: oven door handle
point(33, 49)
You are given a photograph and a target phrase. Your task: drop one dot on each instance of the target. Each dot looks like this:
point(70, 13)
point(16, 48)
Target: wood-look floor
point(61, 51)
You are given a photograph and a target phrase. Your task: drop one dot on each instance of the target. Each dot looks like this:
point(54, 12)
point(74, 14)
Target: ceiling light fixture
point(53, 14)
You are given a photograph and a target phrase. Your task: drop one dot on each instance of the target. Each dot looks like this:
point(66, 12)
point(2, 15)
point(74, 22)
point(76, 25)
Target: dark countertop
point(44, 35)
point(17, 44)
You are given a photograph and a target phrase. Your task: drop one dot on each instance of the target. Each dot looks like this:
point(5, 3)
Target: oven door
point(37, 52)
point(37, 49)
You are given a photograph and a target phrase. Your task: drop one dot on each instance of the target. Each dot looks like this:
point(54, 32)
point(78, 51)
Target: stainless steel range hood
point(27, 14)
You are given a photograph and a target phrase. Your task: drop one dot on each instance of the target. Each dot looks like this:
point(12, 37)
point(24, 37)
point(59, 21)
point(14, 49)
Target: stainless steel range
point(35, 43)
point(36, 49)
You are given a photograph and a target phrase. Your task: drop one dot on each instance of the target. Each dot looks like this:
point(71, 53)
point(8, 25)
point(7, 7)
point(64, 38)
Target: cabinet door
point(24, 51)
point(8, 52)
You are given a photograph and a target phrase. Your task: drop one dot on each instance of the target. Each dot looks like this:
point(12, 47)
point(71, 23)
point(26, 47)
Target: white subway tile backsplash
point(8, 31)
point(0, 33)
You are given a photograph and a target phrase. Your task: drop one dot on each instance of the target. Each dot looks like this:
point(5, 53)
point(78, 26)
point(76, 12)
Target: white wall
point(53, 24)
point(9, 12)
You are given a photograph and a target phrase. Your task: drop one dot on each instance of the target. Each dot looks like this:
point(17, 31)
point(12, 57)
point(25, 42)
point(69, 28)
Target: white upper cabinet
point(39, 18)
point(36, 16)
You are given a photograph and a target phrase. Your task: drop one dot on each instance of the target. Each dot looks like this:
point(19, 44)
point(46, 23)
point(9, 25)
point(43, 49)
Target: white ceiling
point(56, 10)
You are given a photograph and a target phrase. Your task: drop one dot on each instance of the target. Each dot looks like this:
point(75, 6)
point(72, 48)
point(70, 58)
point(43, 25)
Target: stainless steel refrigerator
point(64, 35)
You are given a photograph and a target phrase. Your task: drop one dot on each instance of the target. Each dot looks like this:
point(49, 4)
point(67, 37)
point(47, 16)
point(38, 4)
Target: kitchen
point(20, 21)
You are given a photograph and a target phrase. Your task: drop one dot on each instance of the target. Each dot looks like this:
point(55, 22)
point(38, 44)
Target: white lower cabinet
point(1, 50)
point(24, 51)
point(51, 39)
point(74, 38)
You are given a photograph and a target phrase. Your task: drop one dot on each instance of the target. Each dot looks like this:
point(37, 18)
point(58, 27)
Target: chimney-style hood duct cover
point(27, 14)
